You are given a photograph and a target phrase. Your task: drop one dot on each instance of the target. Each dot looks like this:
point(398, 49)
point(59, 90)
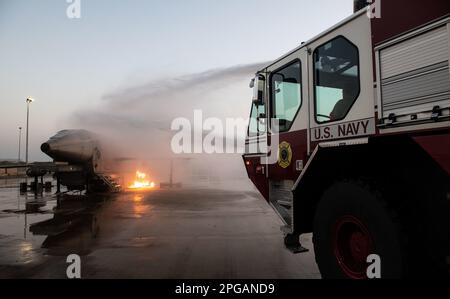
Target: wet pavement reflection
point(155, 234)
point(33, 226)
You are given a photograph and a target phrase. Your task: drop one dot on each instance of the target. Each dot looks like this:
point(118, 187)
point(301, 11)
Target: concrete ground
point(182, 234)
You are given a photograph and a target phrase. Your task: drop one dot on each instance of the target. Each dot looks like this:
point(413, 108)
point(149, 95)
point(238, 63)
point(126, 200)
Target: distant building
point(11, 168)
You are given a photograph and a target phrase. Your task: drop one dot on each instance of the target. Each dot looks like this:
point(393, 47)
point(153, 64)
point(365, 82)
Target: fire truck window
point(256, 126)
point(336, 79)
point(286, 95)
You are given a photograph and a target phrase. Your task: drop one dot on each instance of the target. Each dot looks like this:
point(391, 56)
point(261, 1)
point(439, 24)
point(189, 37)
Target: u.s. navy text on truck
point(355, 128)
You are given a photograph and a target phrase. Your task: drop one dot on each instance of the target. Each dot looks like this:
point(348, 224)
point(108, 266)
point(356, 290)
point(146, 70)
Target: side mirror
point(258, 84)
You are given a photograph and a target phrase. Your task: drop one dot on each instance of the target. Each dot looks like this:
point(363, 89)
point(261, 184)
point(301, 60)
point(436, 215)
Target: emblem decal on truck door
point(284, 155)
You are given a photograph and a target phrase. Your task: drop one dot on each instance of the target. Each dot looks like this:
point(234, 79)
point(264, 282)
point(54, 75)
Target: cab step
point(297, 249)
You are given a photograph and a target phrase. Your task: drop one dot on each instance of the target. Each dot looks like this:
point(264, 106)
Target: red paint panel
point(438, 147)
point(400, 16)
point(298, 142)
point(252, 164)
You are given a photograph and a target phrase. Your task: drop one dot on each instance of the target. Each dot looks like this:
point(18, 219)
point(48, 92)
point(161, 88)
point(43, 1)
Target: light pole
point(29, 101)
point(20, 142)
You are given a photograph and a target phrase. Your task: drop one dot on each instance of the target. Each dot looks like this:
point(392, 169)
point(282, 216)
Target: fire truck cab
point(349, 139)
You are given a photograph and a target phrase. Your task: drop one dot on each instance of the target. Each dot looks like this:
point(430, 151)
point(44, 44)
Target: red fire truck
point(361, 141)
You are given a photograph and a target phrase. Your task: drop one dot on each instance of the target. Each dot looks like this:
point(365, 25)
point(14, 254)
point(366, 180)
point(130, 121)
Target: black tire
point(351, 211)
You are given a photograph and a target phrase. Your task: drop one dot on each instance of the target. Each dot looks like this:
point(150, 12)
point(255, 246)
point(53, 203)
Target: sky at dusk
point(71, 65)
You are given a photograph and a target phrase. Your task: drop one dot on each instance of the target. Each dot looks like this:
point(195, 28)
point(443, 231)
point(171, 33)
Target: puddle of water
point(46, 224)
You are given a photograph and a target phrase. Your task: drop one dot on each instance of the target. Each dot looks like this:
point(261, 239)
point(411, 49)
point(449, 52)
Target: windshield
point(256, 127)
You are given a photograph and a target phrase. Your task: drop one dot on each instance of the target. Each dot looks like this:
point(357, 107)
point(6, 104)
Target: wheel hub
point(352, 244)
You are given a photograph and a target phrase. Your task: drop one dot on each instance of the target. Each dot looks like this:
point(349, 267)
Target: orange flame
point(141, 182)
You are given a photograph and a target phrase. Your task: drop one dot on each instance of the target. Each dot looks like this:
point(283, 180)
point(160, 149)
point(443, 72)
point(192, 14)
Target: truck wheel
point(351, 223)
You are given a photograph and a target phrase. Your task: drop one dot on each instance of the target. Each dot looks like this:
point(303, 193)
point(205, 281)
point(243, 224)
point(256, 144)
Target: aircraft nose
point(45, 147)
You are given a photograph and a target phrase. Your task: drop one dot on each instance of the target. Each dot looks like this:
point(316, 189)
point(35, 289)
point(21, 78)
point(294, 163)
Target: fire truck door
point(288, 111)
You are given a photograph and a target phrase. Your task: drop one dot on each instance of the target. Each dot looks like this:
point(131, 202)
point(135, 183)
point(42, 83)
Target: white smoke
point(138, 118)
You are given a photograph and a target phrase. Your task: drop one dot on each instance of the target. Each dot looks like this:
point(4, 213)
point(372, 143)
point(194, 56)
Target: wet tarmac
point(183, 234)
